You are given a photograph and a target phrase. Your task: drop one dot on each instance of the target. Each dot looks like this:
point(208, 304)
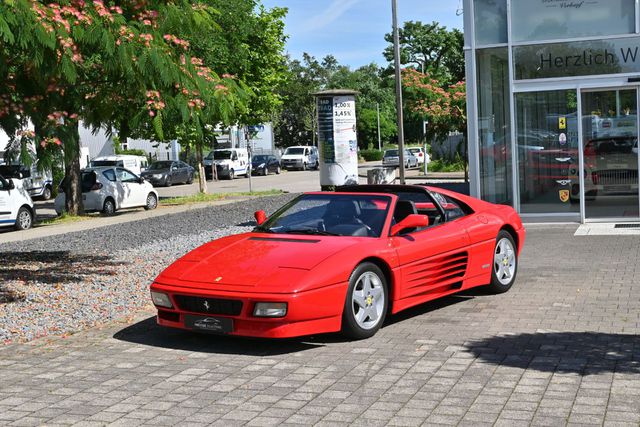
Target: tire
point(109, 207)
point(46, 194)
point(190, 180)
point(232, 175)
point(167, 182)
point(504, 264)
point(24, 219)
point(152, 202)
point(265, 172)
point(304, 166)
point(278, 170)
point(368, 283)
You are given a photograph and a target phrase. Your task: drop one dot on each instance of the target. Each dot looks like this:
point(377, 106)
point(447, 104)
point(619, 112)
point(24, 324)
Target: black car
point(169, 172)
point(263, 164)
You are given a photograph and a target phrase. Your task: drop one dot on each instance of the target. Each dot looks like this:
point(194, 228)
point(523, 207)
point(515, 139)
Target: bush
point(371, 155)
point(441, 165)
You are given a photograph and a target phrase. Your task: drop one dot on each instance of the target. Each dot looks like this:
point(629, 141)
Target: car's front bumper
point(310, 312)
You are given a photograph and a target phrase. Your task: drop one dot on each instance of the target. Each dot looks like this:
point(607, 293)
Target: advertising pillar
point(337, 138)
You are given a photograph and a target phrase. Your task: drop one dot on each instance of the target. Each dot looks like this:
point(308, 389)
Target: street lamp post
point(379, 138)
point(396, 49)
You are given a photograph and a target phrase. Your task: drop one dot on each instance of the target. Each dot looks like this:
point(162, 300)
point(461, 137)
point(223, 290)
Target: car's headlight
point(161, 299)
point(270, 309)
point(261, 165)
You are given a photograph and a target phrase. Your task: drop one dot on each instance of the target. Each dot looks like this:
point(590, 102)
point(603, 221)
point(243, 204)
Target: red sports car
point(341, 261)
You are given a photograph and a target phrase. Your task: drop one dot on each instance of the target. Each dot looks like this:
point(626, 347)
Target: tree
point(107, 65)
point(444, 108)
point(430, 48)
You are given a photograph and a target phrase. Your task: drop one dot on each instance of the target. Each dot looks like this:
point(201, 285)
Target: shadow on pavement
point(55, 267)
point(428, 307)
point(147, 332)
point(583, 353)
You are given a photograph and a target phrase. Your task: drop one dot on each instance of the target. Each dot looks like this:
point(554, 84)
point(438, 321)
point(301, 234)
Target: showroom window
point(533, 20)
point(494, 125)
point(490, 21)
point(547, 141)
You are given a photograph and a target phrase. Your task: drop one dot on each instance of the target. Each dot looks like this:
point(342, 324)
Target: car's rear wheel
point(505, 263)
point(152, 202)
point(366, 304)
point(46, 194)
point(109, 207)
point(24, 220)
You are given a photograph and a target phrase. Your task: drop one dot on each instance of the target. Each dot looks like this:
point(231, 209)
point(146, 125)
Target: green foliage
point(371, 155)
point(442, 165)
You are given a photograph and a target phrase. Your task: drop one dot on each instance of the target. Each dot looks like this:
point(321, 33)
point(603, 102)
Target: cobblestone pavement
point(560, 348)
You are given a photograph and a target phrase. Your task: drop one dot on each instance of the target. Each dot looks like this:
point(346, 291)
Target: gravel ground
point(61, 284)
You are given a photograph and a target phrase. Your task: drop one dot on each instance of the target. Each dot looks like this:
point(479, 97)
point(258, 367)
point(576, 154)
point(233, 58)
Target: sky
point(353, 30)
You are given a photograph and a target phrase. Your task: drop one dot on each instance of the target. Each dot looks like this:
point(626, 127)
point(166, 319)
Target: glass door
point(610, 148)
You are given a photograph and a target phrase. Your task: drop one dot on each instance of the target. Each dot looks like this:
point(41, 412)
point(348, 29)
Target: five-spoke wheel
point(505, 263)
point(366, 303)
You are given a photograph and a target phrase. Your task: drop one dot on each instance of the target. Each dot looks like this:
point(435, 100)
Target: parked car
point(229, 163)
point(169, 172)
point(135, 164)
point(263, 164)
point(300, 157)
point(391, 159)
point(16, 206)
point(39, 183)
point(108, 189)
point(418, 153)
point(341, 261)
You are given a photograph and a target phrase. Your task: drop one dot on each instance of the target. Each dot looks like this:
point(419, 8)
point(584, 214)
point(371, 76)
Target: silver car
point(391, 159)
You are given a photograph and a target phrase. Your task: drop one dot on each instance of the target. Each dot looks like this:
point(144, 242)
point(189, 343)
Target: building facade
point(553, 106)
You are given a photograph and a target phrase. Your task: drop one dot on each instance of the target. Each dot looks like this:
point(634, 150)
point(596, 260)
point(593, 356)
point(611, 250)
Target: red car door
point(432, 261)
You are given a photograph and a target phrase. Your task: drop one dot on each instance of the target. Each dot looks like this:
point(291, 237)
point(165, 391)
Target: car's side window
point(452, 208)
point(110, 175)
point(125, 176)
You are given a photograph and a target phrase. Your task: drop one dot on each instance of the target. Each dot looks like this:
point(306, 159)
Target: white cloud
point(334, 11)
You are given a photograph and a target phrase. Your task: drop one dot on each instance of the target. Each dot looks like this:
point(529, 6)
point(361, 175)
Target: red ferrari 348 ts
point(341, 261)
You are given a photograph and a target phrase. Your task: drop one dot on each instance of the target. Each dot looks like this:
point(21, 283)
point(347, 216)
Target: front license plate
point(218, 325)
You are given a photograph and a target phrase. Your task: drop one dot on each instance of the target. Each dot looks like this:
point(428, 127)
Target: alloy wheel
point(368, 300)
point(504, 261)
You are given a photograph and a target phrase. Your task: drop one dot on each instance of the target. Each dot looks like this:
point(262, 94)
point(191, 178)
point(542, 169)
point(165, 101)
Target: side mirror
point(411, 221)
point(260, 216)
point(12, 186)
point(141, 180)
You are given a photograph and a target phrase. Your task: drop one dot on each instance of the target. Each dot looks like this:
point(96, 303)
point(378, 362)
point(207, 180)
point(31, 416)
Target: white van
point(300, 157)
point(135, 164)
point(16, 206)
point(229, 163)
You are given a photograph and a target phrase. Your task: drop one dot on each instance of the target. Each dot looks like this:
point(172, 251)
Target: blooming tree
point(117, 64)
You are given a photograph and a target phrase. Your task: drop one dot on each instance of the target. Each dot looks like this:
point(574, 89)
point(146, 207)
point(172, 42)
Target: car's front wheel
point(24, 221)
point(46, 194)
point(278, 170)
point(152, 202)
point(231, 174)
point(109, 207)
point(366, 304)
point(505, 263)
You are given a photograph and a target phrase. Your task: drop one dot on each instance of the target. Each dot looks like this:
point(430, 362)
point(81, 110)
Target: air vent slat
point(627, 226)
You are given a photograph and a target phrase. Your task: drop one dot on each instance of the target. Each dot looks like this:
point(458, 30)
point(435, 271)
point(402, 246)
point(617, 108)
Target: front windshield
point(160, 165)
point(292, 150)
point(221, 155)
point(331, 214)
point(259, 159)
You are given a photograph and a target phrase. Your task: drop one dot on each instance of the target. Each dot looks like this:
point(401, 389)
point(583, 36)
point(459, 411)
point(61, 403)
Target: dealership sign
point(613, 56)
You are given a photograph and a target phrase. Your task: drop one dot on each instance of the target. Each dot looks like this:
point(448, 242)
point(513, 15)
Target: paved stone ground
point(560, 348)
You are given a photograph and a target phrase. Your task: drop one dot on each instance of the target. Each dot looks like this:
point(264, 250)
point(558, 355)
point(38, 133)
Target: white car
point(419, 154)
point(107, 189)
point(16, 206)
point(300, 157)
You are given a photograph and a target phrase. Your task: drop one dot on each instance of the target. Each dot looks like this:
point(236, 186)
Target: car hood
point(253, 260)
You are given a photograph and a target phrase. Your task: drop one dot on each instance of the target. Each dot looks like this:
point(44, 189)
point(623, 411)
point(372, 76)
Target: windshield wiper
point(310, 231)
point(262, 229)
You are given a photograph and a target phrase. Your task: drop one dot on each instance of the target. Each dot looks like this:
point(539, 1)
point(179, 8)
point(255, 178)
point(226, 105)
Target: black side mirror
point(141, 180)
point(12, 186)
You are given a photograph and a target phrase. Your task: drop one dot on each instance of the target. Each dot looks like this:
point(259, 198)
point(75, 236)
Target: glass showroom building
point(553, 106)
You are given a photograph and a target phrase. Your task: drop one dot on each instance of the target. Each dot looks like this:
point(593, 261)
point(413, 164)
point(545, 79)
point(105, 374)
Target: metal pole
point(379, 139)
point(396, 49)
